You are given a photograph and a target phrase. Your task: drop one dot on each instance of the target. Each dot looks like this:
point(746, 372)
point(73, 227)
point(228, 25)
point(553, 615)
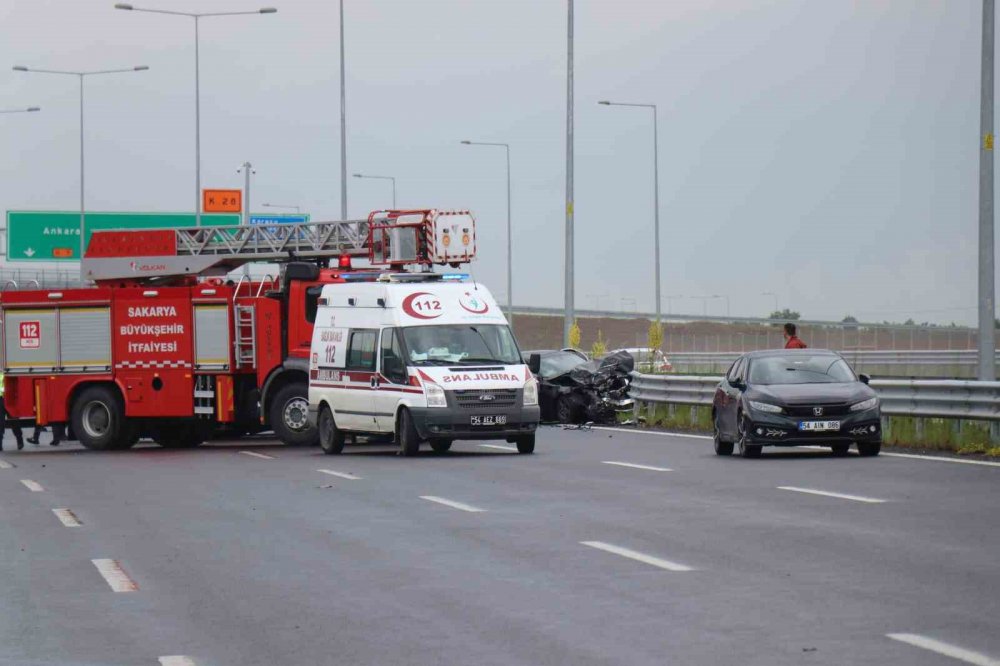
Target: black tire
point(441, 445)
point(331, 438)
point(98, 419)
point(565, 410)
point(840, 450)
point(288, 416)
point(870, 449)
point(406, 433)
point(721, 448)
point(525, 443)
point(747, 450)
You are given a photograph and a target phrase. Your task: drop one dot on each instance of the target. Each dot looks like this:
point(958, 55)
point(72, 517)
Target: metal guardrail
point(869, 357)
point(945, 398)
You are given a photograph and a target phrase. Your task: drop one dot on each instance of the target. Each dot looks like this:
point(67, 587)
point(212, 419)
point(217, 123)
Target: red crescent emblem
point(411, 311)
point(472, 304)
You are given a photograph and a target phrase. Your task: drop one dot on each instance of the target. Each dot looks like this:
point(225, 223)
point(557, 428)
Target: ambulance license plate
point(489, 420)
point(819, 426)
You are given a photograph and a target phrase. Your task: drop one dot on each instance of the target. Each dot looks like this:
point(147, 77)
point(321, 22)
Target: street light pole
point(391, 178)
point(247, 170)
point(656, 193)
point(510, 272)
point(671, 298)
point(727, 301)
point(27, 110)
point(343, 123)
point(197, 84)
point(80, 76)
point(987, 279)
point(569, 305)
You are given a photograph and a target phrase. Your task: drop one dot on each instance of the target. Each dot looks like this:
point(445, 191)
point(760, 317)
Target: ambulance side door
point(393, 380)
point(356, 408)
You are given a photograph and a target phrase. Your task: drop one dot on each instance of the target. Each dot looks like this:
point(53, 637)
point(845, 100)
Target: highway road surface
point(606, 547)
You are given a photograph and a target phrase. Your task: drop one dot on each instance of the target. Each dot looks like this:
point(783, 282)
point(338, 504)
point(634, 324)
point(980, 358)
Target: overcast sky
point(826, 151)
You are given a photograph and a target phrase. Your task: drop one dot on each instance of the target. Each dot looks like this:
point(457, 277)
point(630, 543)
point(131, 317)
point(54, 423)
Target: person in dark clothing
point(14, 426)
point(58, 434)
point(792, 341)
point(35, 435)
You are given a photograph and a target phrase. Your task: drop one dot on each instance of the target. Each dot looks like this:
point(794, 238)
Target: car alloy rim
point(295, 413)
point(96, 419)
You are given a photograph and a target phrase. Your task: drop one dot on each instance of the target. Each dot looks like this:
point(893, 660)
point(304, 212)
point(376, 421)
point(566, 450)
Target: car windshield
point(460, 344)
point(559, 363)
point(800, 369)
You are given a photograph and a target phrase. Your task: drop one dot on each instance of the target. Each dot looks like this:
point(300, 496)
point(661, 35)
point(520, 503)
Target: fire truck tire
point(289, 416)
point(406, 431)
point(98, 419)
point(331, 438)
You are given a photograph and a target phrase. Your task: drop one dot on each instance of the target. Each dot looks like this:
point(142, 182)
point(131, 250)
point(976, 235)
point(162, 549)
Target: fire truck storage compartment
point(66, 339)
point(211, 337)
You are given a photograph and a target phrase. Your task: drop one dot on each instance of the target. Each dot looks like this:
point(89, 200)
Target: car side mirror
point(535, 363)
point(865, 379)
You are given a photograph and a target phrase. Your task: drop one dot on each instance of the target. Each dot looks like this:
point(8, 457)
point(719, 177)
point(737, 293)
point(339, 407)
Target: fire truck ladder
point(246, 336)
point(155, 253)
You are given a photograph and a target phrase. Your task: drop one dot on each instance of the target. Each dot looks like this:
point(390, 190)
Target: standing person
point(792, 341)
point(14, 425)
point(35, 435)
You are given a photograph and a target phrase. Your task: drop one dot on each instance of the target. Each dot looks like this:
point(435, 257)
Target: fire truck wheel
point(289, 416)
point(440, 445)
point(331, 438)
point(98, 419)
point(409, 438)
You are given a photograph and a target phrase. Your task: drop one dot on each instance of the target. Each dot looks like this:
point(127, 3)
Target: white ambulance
point(420, 356)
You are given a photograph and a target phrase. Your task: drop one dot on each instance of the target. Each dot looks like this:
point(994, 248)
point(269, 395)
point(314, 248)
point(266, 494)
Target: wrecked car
point(573, 389)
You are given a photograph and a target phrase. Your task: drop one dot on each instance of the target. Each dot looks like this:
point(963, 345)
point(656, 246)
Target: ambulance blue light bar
point(455, 276)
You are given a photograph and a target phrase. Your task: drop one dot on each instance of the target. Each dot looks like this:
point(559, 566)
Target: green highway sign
point(55, 236)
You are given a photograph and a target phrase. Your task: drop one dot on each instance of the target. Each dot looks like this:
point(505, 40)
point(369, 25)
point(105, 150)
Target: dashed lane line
point(67, 517)
point(824, 493)
point(33, 486)
point(262, 456)
point(499, 447)
point(637, 466)
point(115, 576)
point(453, 504)
point(176, 660)
point(342, 475)
point(5, 465)
point(637, 556)
point(946, 649)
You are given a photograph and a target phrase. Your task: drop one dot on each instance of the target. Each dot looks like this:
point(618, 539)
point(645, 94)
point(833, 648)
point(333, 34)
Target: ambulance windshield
point(460, 344)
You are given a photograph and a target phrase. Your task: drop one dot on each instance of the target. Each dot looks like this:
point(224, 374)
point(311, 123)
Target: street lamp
point(704, 303)
point(392, 178)
point(510, 288)
point(28, 110)
point(656, 194)
point(669, 299)
point(268, 205)
point(771, 293)
point(727, 301)
point(80, 76)
point(197, 85)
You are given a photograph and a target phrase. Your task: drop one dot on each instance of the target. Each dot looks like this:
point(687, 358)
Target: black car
point(795, 397)
point(554, 364)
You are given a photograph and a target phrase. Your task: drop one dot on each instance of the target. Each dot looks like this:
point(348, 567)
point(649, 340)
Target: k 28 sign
point(222, 201)
point(30, 335)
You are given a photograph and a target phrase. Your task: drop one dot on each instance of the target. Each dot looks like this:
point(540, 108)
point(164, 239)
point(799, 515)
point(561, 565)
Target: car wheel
point(440, 445)
point(525, 443)
point(747, 450)
point(331, 438)
point(409, 438)
point(721, 448)
point(840, 450)
point(869, 449)
point(565, 412)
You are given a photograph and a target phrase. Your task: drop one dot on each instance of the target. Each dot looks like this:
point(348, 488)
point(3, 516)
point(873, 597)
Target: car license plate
point(489, 420)
point(819, 425)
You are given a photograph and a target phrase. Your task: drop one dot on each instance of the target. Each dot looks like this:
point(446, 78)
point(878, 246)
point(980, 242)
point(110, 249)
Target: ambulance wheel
point(406, 432)
point(331, 438)
point(441, 445)
point(97, 418)
point(289, 416)
point(525, 443)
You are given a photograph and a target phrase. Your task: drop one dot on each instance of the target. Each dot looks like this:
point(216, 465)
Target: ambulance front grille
point(486, 398)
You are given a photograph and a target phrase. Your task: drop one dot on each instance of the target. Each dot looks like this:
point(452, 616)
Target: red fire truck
point(164, 346)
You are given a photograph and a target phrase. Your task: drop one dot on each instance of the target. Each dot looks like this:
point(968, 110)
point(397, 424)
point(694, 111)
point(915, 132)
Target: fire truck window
point(361, 350)
point(312, 303)
point(393, 366)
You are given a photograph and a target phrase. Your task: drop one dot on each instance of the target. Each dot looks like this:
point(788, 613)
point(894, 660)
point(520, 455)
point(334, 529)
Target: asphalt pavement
point(605, 547)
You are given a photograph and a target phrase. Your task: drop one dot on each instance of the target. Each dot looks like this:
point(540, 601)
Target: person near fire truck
point(14, 425)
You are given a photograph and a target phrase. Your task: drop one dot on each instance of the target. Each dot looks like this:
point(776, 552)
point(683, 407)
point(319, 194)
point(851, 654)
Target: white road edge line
point(342, 475)
point(914, 456)
point(824, 493)
point(953, 651)
point(262, 456)
point(67, 517)
point(455, 505)
point(639, 557)
point(5, 465)
point(499, 447)
point(634, 465)
point(115, 575)
point(176, 660)
point(33, 486)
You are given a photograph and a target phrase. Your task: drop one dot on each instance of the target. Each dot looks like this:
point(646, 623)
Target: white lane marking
point(940, 459)
point(953, 651)
point(115, 575)
point(33, 486)
point(342, 475)
point(452, 504)
point(5, 465)
point(654, 432)
point(176, 660)
point(810, 491)
point(67, 517)
point(499, 447)
point(257, 455)
point(636, 555)
point(634, 465)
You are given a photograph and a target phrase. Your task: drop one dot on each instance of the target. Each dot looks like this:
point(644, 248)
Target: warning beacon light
point(344, 262)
